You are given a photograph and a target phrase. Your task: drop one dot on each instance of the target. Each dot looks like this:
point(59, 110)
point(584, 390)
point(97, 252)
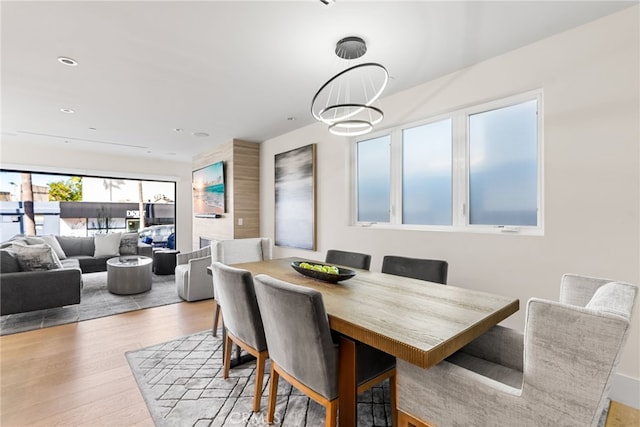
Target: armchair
point(241, 250)
point(557, 373)
point(237, 251)
point(192, 281)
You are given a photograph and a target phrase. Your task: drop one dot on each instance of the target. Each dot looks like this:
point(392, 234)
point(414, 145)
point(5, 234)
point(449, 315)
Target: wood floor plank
point(77, 374)
point(621, 415)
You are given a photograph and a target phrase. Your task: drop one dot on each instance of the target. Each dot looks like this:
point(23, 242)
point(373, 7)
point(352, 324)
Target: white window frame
point(460, 170)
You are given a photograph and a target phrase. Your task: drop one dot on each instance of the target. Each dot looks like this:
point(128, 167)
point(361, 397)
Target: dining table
point(418, 321)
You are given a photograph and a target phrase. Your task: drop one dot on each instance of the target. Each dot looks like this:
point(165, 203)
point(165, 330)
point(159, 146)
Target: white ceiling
point(232, 69)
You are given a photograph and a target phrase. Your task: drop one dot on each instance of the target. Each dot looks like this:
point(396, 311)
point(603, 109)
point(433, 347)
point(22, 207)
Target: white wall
point(590, 77)
point(59, 158)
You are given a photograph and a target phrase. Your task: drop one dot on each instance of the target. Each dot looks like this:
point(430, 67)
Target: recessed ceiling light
point(93, 129)
point(200, 134)
point(67, 61)
point(67, 110)
point(178, 130)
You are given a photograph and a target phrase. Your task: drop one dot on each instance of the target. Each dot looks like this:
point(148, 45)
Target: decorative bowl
point(343, 273)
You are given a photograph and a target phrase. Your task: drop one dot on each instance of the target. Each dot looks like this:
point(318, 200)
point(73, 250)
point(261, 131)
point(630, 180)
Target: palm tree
point(110, 184)
point(26, 191)
point(140, 206)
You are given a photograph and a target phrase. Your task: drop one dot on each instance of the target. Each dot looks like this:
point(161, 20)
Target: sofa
point(56, 281)
point(83, 249)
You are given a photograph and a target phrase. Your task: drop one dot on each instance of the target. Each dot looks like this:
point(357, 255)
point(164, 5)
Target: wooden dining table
point(417, 321)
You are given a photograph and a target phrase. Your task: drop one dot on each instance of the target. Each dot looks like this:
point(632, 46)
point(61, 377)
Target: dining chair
point(192, 280)
point(431, 270)
point(236, 251)
point(302, 349)
point(237, 299)
point(348, 259)
point(558, 372)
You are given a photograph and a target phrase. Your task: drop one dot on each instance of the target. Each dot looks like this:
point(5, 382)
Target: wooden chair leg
point(394, 400)
point(332, 413)
point(226, 361)
point(216, 315)
point(273, 392)
point(257, 394)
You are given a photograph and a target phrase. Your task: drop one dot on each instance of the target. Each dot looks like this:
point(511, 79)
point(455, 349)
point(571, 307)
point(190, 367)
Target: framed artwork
point(208, 190)
point(295, 189)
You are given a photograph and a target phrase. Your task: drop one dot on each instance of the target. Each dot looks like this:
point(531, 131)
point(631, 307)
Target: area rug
point(95, 301)
point(181, 382)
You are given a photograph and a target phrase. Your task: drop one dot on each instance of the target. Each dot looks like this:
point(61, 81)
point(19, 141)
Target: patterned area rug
point(182, 384)
point(95, 301)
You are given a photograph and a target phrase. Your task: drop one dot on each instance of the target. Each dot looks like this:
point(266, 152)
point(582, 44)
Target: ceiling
point(230, 69)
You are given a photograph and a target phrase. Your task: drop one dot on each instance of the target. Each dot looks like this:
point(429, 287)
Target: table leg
point(347, 386)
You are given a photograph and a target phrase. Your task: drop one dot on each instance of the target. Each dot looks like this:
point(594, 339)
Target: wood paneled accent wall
point(246, 189)
point(242, 192)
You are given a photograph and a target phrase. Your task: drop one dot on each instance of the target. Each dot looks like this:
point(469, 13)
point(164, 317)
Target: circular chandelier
point(345, 101)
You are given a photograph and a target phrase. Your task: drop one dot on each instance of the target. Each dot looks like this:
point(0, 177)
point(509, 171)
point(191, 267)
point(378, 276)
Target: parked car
point(157, 235)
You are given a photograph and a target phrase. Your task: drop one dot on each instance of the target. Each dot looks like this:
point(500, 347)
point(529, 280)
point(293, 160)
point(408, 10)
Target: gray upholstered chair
point(302, 349)
point(557, 373)
point(348, 259)
point(237, 299)
point(431, 270)
point(236, 251)
point(192, 281)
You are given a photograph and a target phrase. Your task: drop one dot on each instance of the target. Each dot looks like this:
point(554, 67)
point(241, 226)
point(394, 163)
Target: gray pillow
point(36, 257)
point(32, 240)
point(8, 262)
point(6, 245)
point(129, 244)
point(55, 245)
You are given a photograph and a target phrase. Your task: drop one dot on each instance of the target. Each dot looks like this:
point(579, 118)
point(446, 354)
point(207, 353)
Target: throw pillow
point(32, 240)
point(55, 245)
point(129, 244)
point(8, 262)
point(613, 298)
point(36, 257)
point(107, 244)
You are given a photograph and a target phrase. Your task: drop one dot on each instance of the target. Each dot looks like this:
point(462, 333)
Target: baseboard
point(626, 390)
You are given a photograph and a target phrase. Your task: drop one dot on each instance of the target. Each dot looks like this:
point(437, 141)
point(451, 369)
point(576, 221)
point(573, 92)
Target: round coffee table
point(129, 274)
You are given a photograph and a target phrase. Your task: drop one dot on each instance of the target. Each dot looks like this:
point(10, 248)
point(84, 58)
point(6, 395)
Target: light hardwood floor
point(77, 374)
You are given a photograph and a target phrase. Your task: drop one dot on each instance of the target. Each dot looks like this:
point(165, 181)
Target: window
point(80, 205)
point(374, 179)
point(503, 166)
point(476, 168)
point(427, 174)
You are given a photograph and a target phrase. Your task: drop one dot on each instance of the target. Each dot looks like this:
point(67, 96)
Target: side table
point(164, 261)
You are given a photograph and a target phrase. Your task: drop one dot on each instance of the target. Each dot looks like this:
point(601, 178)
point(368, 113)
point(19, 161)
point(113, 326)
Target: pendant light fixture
point(345, 101)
